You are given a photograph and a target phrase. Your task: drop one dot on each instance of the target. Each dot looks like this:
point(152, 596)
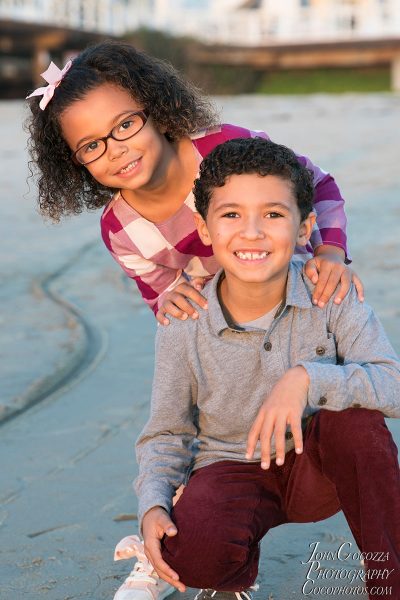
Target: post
point(395, 73)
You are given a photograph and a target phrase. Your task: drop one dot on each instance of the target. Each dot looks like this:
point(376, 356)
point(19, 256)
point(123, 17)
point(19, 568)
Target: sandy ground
point(77, 348)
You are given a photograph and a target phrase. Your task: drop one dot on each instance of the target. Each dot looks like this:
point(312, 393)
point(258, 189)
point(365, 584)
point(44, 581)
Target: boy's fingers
point(297, 433)
point(310, 269)
point(359, 287)
point(265, 439)
point(153, 553)
point(254, 435)
point(279, 434)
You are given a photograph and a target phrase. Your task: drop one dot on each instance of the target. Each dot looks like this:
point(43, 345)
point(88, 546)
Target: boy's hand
point(327, 270)
point(157, 523)
point(176, 304)
point(284, 406)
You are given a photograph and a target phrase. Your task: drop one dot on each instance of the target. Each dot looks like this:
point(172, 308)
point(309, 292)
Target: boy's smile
point(253, 224)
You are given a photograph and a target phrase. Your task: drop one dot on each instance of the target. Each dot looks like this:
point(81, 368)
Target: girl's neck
point(165, 195)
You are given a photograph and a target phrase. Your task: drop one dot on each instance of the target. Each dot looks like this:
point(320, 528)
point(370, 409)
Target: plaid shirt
point(159, 256)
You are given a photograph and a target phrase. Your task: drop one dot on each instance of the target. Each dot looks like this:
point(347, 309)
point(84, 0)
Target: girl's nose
point(252, 230)
point(116, 148)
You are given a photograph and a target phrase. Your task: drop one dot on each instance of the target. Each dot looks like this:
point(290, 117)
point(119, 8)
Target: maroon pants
point(349, 463)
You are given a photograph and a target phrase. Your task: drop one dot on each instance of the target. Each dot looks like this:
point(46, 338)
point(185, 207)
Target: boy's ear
point(202, 229)
point(305, 229)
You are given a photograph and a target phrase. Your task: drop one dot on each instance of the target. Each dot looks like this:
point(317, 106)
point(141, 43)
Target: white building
point(240, 22)
point(103, 16)
point(257, 22)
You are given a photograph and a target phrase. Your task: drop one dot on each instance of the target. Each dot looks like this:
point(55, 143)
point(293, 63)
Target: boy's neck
point(248, 301)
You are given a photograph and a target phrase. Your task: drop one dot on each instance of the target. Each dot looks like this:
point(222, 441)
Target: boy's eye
point(274, 215)
point(230, 215)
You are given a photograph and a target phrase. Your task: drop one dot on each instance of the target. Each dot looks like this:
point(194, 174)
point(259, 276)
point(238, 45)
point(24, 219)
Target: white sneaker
point(143, 583)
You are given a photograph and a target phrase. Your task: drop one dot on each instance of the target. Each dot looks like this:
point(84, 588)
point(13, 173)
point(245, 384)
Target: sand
point(77, 348)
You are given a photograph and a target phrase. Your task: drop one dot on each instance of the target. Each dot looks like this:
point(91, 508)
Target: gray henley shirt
point(212, 376)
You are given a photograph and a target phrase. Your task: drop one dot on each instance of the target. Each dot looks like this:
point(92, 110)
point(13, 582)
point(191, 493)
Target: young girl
point(119, 129)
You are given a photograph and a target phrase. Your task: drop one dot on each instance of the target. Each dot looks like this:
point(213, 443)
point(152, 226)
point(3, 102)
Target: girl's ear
point(202, 229)
point(305, 229)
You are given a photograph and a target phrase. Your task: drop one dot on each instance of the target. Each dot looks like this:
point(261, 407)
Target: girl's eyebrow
point(115, 121)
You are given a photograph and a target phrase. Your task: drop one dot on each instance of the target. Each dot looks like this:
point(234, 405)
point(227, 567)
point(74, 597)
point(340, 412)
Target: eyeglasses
point(127, 128)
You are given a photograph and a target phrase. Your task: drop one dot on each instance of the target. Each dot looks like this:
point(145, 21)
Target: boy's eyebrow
point(115, 121)
point(265, 205)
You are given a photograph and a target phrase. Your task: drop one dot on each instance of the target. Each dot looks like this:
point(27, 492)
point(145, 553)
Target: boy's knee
point(356, 429)
point(204, 560)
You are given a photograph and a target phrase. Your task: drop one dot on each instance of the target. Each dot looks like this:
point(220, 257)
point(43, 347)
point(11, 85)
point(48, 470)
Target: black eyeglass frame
point(144, 115)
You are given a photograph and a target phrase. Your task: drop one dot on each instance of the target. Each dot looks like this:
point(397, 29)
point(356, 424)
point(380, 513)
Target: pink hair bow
point(53, 75)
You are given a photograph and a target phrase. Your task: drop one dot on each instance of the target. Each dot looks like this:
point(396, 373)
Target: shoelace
point(142, 571)
point(239, 595)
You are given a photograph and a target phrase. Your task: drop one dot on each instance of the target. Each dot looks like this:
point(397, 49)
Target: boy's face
point(253, 224)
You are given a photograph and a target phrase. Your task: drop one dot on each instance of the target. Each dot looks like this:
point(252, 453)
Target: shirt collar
point(297, 294)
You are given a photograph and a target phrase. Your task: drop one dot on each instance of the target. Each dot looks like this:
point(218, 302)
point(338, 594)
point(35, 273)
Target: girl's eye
point(274, 215)
point(91, 147)
point(133, 121)
point(126, 125)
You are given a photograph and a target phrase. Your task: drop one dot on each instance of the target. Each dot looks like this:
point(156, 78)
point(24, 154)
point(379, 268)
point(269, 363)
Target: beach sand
point(77, 348)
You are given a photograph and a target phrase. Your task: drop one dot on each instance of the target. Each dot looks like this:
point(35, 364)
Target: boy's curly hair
point(175, 106)
point(253, 155)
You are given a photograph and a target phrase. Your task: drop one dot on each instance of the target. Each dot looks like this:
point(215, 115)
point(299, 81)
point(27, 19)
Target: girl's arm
point(328, 269)
point(163, 288)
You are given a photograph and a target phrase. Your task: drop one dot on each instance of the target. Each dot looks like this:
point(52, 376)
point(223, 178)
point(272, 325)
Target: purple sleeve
point(330, 228)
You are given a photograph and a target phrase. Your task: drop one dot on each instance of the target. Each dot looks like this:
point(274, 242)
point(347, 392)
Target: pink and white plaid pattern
point(158, 256)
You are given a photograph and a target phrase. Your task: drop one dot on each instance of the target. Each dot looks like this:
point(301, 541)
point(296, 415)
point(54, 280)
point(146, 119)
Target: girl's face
point(138, 163)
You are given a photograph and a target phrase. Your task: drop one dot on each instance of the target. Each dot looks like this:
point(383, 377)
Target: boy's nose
point(252, 230)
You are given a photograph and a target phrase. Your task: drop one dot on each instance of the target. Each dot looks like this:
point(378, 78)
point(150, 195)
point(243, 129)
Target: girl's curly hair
point(175, 106)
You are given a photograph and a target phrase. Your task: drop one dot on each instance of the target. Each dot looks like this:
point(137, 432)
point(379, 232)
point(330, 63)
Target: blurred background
point(76, 340)
point(227, 46)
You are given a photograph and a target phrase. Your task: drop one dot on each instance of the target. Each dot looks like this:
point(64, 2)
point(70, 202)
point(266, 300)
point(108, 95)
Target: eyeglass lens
point(126, 129)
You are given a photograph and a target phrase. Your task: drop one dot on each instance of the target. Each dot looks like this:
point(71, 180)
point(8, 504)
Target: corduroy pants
point(349, 463)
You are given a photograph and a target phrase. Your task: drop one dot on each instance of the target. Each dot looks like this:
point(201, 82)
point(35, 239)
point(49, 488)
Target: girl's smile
point(138, 162)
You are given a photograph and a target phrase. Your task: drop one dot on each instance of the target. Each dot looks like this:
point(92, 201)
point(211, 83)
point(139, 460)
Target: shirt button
point(268, 346)
point(322, 401)
point(320, 350)
point(356, 405)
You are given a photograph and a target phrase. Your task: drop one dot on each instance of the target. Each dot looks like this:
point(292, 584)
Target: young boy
point(264, 374)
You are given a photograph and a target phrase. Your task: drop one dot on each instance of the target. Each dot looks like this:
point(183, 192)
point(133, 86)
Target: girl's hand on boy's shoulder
point(176, 302)
point(157, 523)
point(284, 406)
point(328, 271)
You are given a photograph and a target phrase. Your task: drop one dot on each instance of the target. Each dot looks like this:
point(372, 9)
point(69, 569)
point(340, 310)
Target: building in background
point(259, 22)
point(238, 22)
point(100, 16)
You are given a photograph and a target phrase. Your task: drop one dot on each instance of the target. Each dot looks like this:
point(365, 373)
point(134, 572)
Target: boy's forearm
point(372, 386)
point(369, 371)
